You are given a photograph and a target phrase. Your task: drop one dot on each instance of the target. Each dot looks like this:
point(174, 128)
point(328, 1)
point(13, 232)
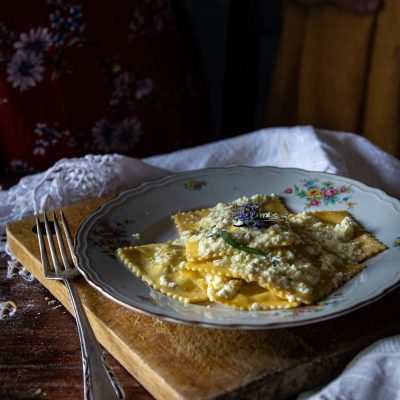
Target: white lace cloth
point(376, 372)
point(69, 181)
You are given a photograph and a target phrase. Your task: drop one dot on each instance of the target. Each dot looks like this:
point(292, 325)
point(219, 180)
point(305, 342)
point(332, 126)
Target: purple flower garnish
point(249, 215)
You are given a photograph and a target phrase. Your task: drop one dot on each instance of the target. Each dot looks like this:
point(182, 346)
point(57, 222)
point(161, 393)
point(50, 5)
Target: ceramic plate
point(147, 209)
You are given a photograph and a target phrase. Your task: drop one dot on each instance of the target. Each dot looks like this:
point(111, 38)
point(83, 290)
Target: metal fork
point(98, 380)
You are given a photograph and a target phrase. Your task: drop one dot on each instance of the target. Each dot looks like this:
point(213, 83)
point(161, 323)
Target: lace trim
point(69, 181)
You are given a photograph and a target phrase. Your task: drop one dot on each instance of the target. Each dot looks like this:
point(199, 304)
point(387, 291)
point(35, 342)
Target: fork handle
point(98, 381)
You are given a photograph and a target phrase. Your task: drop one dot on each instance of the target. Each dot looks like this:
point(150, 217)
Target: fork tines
point(60, 271)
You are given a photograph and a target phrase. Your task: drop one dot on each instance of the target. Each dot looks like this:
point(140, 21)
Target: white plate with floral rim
point(147, 209)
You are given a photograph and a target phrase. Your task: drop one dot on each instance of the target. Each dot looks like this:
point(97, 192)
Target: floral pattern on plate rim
point(194, 185)
point(109, 236)
point(326, 193)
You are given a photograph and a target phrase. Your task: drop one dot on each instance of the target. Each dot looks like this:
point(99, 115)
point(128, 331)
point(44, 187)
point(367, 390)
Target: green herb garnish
point(232, 242)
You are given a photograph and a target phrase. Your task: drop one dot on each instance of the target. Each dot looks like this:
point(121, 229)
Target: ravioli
point(303, 257)
point(252, 254)
point(337, 232)
point(188, 221)
point(192, 225)
point(304, 280)
point(162, 266)
point(243, 295)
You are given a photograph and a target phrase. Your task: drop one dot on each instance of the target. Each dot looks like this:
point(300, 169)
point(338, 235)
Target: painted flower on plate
point(314, 193)
point(324, 193)
point(194, 185)
point(328, 192)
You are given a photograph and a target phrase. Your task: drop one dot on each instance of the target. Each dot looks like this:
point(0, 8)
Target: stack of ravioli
point(253, 254)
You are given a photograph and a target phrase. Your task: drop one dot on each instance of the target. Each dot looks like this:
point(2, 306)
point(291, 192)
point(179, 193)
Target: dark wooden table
point(40, 354)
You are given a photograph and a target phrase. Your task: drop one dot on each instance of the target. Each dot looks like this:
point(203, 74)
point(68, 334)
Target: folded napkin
point(373, 374)
point(296, 147)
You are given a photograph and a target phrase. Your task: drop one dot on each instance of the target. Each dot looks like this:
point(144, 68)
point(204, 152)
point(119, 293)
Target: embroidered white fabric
point(69, 181)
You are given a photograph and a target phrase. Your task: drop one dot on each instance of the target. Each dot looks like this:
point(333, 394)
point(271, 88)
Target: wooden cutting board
point(174, 361)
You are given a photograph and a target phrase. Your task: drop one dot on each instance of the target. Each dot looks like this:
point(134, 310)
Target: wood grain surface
point(40, 354)
point(40, 350)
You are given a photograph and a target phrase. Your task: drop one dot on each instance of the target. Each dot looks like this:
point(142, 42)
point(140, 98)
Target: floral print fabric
point(95, 77)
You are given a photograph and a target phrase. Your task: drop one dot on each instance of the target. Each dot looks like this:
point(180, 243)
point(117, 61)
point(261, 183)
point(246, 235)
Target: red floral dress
point(94, 77)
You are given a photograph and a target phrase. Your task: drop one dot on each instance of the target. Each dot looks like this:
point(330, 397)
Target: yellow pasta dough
point(243, 295)
point(162, 266)
point(366, 244)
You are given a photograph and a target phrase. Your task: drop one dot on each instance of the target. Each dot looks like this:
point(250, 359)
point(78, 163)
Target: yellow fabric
point(340, 71)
